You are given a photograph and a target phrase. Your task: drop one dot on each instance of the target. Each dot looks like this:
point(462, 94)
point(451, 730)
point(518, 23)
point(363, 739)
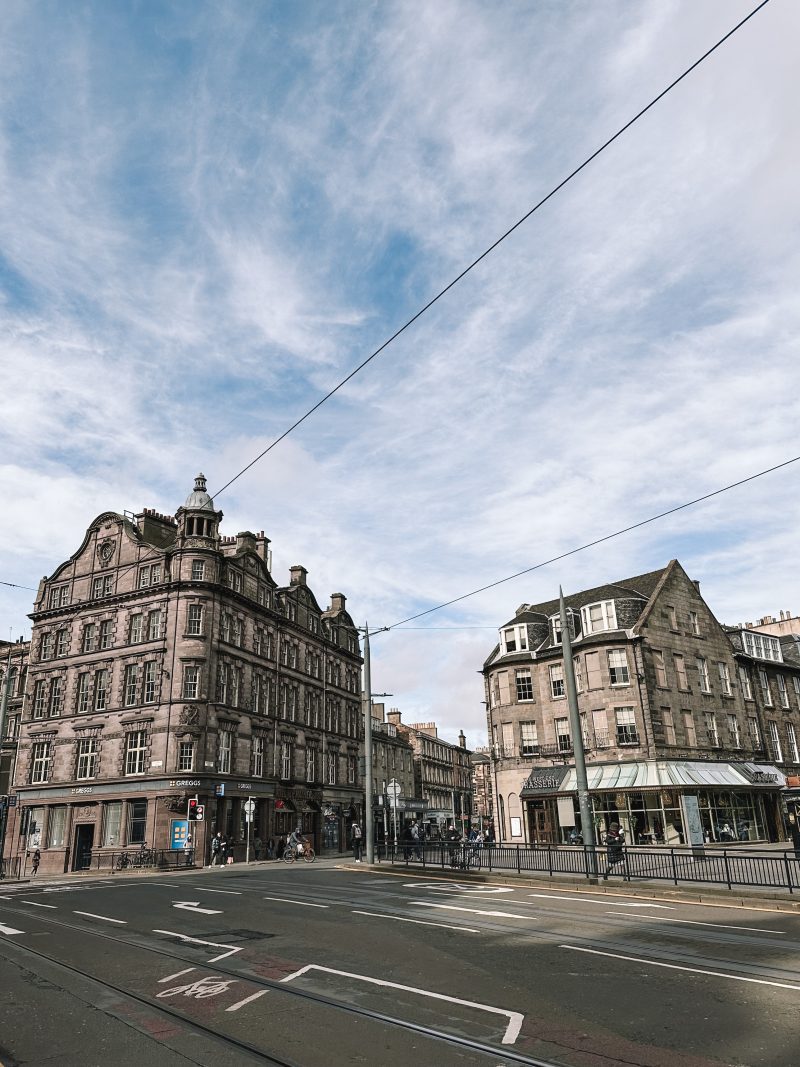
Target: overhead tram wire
point(557, 188)
point(298, 422)
point(589, 544)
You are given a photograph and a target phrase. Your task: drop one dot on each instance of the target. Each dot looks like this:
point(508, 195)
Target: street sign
point(250, 807)
point(393, 791)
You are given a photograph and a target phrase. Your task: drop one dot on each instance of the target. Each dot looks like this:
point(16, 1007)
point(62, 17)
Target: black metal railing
point(708, 866)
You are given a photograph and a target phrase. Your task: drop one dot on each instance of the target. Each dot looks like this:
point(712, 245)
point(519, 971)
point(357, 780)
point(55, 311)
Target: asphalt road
point(320, 966)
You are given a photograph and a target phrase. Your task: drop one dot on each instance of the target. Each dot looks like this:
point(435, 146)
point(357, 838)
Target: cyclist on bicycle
point(297, 841)
point(453, 839)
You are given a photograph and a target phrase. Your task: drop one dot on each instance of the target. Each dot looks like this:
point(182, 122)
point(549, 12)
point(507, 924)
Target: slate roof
point(642, 587)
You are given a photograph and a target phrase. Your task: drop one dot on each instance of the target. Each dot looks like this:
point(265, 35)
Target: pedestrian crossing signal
point(193, 807)
point(199, 813)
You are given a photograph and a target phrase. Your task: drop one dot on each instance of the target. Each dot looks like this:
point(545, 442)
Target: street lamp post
point(584, 800)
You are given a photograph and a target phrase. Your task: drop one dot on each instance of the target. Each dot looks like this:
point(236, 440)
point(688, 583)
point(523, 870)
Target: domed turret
point(198, 499)
point(198, 517)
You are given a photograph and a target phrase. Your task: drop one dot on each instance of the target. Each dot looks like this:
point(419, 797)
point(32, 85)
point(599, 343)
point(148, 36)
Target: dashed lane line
point(679, 967)
point(419, 922)
point(302, 903)
point(36, 904)
point(247, 1000)
point(105, 918)
point(473, 911)
point(696, 922)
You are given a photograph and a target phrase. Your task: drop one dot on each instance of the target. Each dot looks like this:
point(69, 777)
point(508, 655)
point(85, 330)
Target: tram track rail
point(496, 1053)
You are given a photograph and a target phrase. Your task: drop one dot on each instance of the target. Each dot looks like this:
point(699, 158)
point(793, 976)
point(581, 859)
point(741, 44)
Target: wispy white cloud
point(207, 218)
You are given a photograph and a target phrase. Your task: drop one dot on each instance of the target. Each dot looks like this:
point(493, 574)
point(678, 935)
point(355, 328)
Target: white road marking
point(634, 904)
point(679, 967)
point(105, 918)
point(194, 905)
point(304, 903)
point(198, 941)
point(574, 900)
point(419, 922)
point(473, 911)
point(176, 975)
point(228, 892)
point(169, 885)
point(9, 930)
point(455, 885)
point(718, 926)
point(515, 1019)
point(36, 904)
point(247, 1000)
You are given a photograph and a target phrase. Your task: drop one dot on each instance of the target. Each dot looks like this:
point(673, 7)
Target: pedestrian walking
point(257, 846)
point(615, 851)
point(223, 850)
point(37, 859)
point(356, 841)
point(216, 844)
point(188, 850)
point(270, 848)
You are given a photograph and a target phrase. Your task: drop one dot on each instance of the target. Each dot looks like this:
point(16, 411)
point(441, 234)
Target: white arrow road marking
point(515, 1018)
point(194, 905)
point(473, 911)
point(105, 918)
point(9, 930)
point(677, 967)
point(198, 941)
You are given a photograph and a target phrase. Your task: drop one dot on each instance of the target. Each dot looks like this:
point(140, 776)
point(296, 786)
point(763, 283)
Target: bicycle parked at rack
point(145, 857)
point(464, 858)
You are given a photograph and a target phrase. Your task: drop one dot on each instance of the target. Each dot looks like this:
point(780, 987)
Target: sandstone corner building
point(167, 663)
point(682, 718)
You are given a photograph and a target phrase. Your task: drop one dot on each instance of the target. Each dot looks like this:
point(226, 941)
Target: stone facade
point(392, 760)
point(658, 679)
point(166, 662)
point(442, 773)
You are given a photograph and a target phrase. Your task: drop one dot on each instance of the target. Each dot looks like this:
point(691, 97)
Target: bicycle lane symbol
point(212, 985)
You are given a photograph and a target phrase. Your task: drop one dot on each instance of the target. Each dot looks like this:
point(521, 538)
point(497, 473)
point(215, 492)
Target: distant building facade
point(443, 773)
point(166, 663)
point(482, 788)
point(392, 762)
point(678, 714)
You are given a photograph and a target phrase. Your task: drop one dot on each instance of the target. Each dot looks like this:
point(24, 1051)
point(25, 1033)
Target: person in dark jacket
point(615, 851)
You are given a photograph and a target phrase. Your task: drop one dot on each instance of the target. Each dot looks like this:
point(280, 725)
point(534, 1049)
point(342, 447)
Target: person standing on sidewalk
point(356, 840)
point(37, 859)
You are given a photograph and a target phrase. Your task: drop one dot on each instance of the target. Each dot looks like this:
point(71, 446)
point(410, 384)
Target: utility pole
point(584, 800)
point(368, 828)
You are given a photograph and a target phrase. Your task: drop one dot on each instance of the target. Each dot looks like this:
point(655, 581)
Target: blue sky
point(209, 213)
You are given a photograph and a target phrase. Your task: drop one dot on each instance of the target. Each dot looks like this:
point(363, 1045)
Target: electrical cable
point(490, 249)
point(592, 544)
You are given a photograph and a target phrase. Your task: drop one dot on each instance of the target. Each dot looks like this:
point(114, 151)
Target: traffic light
point(193, 806)
point(199, 813)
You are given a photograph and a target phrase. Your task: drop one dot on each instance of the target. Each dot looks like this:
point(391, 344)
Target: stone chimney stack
point(299, 575)
point(338, 601)
point(462, 739)
point(393, 716)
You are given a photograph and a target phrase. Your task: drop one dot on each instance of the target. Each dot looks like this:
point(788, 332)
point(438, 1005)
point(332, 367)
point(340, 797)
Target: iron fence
point(725, 867)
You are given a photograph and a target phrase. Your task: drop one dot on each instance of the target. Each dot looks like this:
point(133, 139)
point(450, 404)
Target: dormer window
point(761, 646)
point(514, 639)
point(599, 617)
point(555, 626)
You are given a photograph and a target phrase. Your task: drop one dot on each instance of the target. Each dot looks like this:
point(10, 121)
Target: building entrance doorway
point(541, 822)
point(84, 842)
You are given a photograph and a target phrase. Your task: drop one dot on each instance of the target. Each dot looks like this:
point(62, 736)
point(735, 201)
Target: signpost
point(249, 808)
point(393, 791)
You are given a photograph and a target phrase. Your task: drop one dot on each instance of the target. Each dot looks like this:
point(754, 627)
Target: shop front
point(81, 827)
point(736, 802)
